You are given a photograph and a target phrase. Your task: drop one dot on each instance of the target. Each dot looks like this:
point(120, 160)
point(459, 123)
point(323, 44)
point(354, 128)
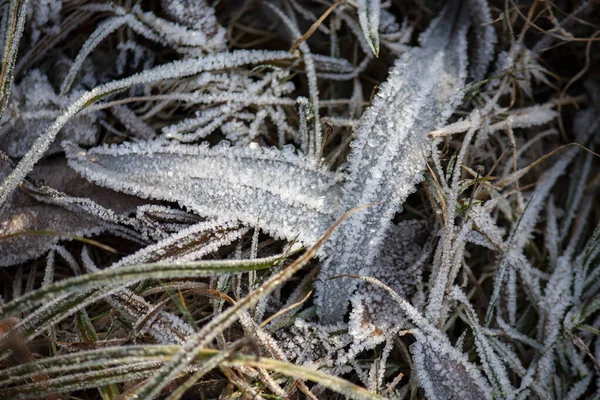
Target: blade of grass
point(132, 274)
point(14, 30)
point(118, 364)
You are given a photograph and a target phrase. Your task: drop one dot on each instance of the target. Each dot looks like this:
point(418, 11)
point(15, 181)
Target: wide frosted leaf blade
point(28, 228)
point(388, 157)
point(278, 190)
point(444, 373)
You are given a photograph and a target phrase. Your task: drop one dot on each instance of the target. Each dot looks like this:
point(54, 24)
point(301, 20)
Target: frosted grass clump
point(214, 201)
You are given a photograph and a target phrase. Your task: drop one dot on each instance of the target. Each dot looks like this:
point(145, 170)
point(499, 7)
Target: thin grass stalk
point(14, 31)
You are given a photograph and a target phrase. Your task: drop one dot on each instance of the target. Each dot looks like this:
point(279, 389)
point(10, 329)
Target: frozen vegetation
point(299, 199)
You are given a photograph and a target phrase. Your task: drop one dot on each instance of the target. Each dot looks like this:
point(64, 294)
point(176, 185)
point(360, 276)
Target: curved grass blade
point(132, 274)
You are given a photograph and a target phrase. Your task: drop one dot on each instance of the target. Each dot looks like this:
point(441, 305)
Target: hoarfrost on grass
point(492, 186)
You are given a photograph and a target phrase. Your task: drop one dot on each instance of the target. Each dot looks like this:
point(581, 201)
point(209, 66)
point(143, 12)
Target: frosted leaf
point(61, 306)
point(450, 129)
point(394, 36)
point(25, 214)
point(585, 124)
point(316, 138)
point(290, 198)
point(356, 31)
point(202, 125)
point(233, 130)
point(206, 244)
point(49, 270)
point(398, 266)
point(361, 326)
point(368, 16)
point(587, 275)
point(576, 191)
point(388, 155)
point(170, 219)
point(164, 326)
point(194, 241)
point(485, 224)
point(444, 373)
point(527, 117)
point(511, 358)
point(517, 118)
point(480, 240)
point(553, 306)
point(84, 206)
point(579, 388)
point(229, 102)
point(56, 174)
point(538, 198)
point(136, 25)
point(140, 56)
point(314, 345)
point(326, 64)
point(195, 14)
point(493, 365)
point(526, 68)
point(440, 369)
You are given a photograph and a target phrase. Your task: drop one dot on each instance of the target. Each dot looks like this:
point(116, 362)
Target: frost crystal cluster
point(224, 200)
